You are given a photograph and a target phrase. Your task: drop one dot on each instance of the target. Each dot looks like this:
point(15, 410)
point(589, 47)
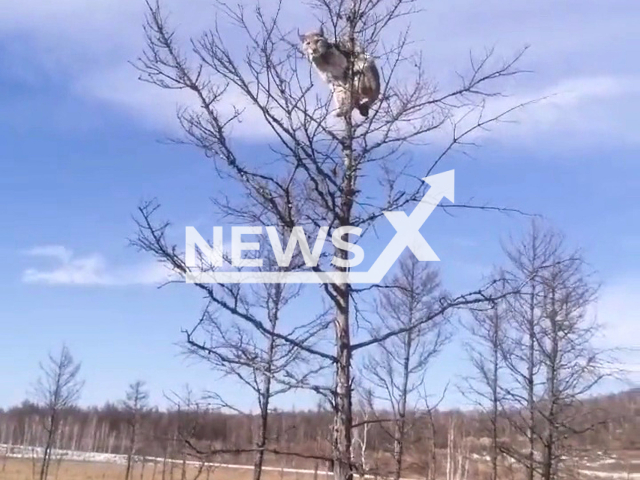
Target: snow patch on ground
point(15, 451)
point(595, 473)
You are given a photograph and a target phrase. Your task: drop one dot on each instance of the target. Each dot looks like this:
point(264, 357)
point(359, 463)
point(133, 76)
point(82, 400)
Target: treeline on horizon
point(163, 433)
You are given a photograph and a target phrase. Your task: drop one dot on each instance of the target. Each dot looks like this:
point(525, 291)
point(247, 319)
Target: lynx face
point(314, 44)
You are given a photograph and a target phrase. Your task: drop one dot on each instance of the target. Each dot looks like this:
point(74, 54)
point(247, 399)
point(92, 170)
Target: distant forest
point(164, 434)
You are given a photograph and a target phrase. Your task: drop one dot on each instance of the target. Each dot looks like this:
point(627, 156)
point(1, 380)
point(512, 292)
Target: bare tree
point(190, 410)
point(259, 361)
point(396, 369)
point(572, 364)
point(135, 404)
point(485, 351)
point(316, 171)
point(57, 389)
point(549, 350)
point(364, 420)
point(527, 258)
point(431, 467)
point(457, 466)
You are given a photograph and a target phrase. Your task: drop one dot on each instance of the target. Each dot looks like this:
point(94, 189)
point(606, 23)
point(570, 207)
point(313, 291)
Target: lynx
point(331, 60)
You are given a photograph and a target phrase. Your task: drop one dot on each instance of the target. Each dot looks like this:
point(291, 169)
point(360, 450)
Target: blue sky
point(79, 150)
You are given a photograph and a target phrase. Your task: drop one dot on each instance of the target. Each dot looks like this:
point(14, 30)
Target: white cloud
point(71, 269)
point(89, 44)
point(580, 106)
point(156, 108)
point(574, 105)
point(54, 251)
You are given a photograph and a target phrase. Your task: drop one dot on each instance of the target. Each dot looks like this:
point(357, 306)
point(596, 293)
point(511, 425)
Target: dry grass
point(625, 467)
point(15, 469)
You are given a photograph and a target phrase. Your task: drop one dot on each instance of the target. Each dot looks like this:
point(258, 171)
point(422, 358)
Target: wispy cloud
point(593, 98)
point(91, 270)
point(156, 108)
point(575, 109)
point(53, 251)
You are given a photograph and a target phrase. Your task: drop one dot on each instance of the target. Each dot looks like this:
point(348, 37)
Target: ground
point(22, 469)
point(621, 465)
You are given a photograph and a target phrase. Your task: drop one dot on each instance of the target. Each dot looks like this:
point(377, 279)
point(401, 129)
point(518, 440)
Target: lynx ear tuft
point(321, 31)
point(301, 36)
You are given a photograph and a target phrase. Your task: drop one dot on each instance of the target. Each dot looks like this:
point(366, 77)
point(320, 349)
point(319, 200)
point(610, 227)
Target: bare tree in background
point(431, 464)
point(549, 350)
point(316, 168)
point(572, 364)
point(457, 466)
point(190, 409)
point(259, 361)
point(485, 350)
point(364, 420)
point(57, 389)
point(396, 369)
point(527, 258)
point(135, 404)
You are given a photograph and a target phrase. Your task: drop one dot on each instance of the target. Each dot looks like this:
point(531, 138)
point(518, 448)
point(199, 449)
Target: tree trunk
point(531, 387)
point(344, 415)
point(131, 452)
point(46, 458)
point(344, 402)
point(398, 448)
point(494, 395)
point(164, 461)
point(44, 468)
point(264, 411)
point(549, 465)
point(127, 473)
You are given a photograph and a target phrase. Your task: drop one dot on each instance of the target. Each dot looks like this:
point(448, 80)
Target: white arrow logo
point(407, 236)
